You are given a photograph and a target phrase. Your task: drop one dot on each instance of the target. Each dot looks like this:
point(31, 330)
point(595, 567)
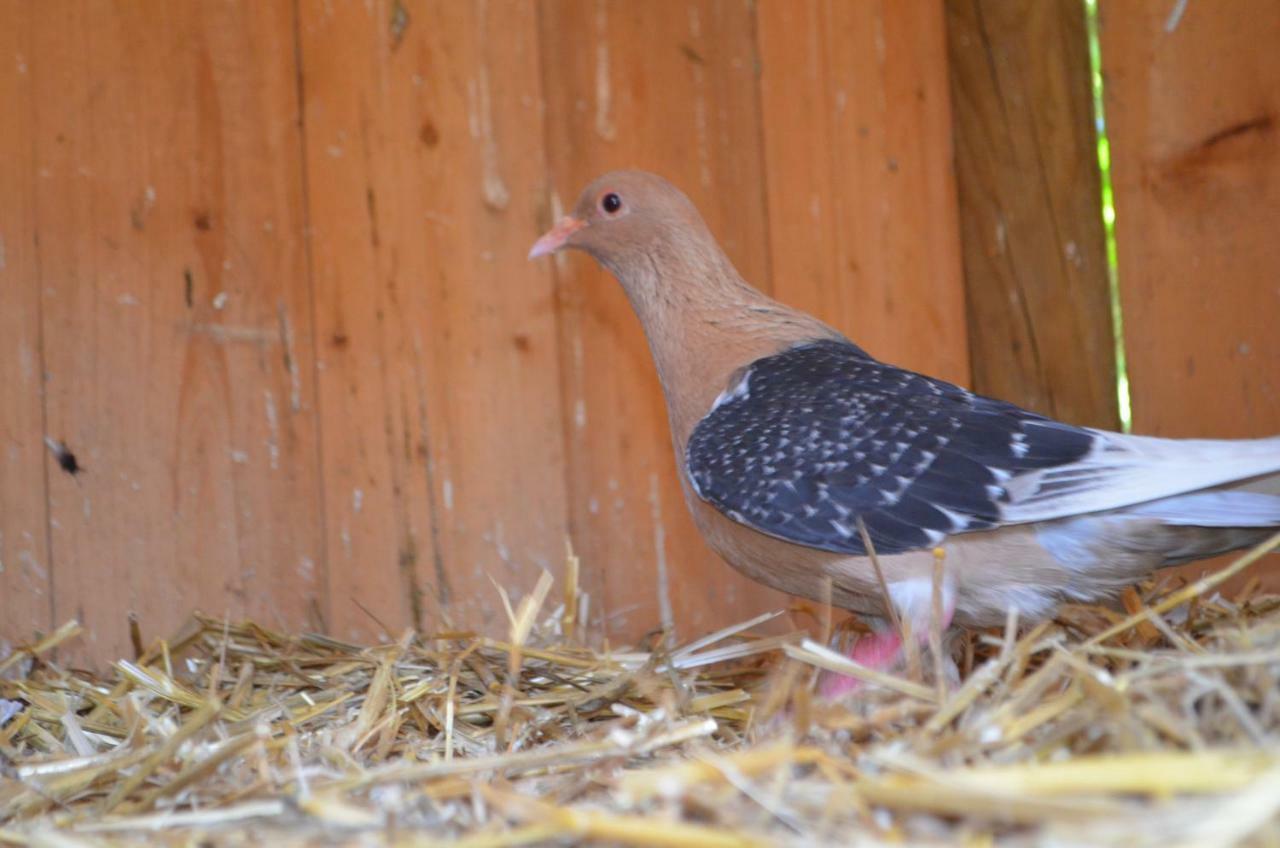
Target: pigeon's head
point(628, 221)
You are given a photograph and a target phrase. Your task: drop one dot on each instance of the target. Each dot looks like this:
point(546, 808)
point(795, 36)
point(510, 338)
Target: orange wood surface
point(441, 417)
point(26, 587)
point(262, 267)
point(174, 314)
point(668, 87)
point(863, 227)
point(1193, 109)
point(1030, 202)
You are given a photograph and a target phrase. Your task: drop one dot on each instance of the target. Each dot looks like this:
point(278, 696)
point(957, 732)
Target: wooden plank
point(1035, 251)
point(1193, 109)
point(443, 452)
point(26, 601)
point(668, 87)
point(176, 321)
point(862, 205)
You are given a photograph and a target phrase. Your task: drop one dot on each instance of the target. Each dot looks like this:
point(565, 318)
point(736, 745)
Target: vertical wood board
point(175, 315)
point(26, 578)
point(861, 195)
point(443, 451)
point(1035, 256)
point(668, 87)
point(1193, 109)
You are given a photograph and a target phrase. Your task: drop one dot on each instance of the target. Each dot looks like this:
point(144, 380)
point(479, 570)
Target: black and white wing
point(812, 439)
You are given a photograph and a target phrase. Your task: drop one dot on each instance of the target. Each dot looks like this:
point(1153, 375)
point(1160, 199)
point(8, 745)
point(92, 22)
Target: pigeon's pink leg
point(878, 650)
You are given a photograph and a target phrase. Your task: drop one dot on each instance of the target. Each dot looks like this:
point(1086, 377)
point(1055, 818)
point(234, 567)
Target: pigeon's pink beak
point(556, 236)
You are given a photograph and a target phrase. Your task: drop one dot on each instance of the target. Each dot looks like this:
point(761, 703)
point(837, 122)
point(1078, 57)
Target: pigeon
point(813, 467)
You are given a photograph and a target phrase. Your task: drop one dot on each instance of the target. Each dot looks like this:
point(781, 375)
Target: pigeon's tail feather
point(1183, 544)
point(1214, 509)
point(1215, 521)
point(1123, 471)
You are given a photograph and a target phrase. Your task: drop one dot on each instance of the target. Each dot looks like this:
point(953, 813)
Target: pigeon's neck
point(704, 323)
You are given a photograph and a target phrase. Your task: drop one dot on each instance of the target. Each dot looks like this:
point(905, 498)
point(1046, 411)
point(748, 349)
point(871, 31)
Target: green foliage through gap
point(1108, 213)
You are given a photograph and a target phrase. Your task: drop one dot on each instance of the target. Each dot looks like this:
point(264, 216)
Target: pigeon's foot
point(877, 651)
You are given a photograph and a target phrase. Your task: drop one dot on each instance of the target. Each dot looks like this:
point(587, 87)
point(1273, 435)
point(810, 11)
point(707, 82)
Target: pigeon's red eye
point(611, 203)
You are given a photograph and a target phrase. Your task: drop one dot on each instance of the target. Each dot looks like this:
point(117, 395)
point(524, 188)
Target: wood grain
point(861, 195)
point(443, 453)
point(175, 315)
point(1193, 110)
point(668, 87)
point(263, 269)
point(26, 584)
point(1039, 311)
point(1194, 118)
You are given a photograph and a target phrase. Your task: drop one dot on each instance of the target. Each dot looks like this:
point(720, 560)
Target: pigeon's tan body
point(987, 571)
point(981, 595)
point(706, 327)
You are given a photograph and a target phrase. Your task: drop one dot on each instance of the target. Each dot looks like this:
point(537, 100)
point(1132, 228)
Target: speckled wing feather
point(811, 439)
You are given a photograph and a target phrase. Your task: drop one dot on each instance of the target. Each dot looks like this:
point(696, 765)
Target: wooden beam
point(442, 450)
point(668, 87)
point(1035, 258)
point(26, 572)
point(863, 228)
point(1193, 109)
point(175, 316)
point(1193, 106)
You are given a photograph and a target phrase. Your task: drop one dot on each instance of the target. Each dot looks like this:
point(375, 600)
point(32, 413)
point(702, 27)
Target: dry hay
point(1159, 727)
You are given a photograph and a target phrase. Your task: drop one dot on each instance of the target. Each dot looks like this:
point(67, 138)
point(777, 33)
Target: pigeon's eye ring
point(611, 203)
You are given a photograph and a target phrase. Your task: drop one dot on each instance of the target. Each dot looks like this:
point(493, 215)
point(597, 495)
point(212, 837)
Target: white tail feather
point(1214, 509)
point(1125, 470)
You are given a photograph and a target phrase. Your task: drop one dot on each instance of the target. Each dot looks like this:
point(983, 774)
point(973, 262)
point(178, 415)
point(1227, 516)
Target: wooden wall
point(1193, 102)
point(1039, 304)
point(262, 269)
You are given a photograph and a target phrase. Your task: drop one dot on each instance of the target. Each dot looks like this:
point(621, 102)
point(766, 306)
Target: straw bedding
point(1156, 724)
